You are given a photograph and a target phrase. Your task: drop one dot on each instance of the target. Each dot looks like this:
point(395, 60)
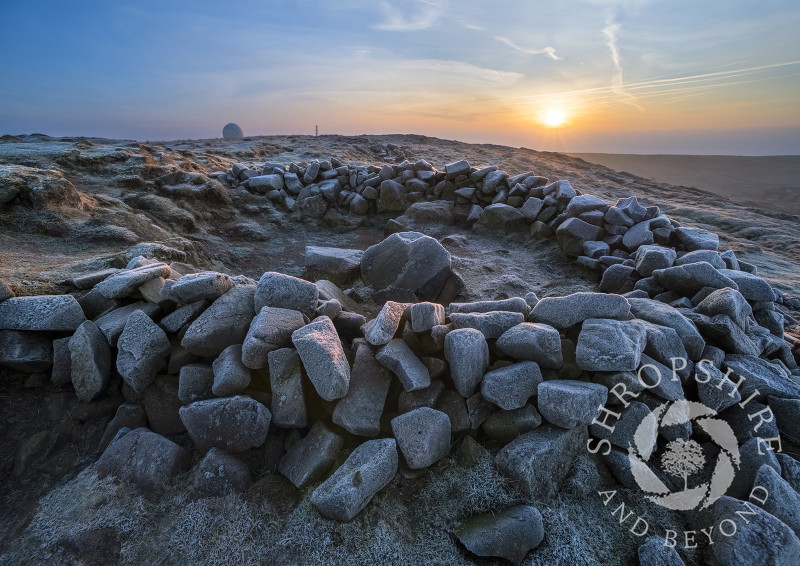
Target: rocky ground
point(73, 207)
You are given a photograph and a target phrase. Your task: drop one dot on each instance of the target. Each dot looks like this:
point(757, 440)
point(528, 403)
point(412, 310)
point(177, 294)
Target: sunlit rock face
point(232, 132)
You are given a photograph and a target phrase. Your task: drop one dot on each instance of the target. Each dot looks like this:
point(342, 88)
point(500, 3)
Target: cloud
point(617, 84)
point(549, 51)
point(421, 14)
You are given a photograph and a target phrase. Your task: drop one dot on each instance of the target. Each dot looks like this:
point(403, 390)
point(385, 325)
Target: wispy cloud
point(472, 26)
point(617, 84)
point(419, 15)
point(549, 51)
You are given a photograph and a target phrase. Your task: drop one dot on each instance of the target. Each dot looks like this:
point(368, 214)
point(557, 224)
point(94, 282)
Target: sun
point(554, 118)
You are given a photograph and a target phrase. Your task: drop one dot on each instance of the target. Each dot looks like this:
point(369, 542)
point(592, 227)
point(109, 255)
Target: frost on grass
point(409, 522)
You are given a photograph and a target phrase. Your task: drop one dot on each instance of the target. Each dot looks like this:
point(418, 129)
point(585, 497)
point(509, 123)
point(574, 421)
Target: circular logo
point(682, 458)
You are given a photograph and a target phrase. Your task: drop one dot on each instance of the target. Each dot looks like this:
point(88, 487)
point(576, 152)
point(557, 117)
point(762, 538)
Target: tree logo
point(682, 458)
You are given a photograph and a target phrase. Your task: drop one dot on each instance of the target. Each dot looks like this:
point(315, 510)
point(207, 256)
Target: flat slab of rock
point(540, 343)
point(510, 387)
point(398, 357)
point(697, 239)
point(202, 286)
point(145, 459)
point(688, 279)
point(759, 375)
point(490, 324)
point(90, 361)
point(144, 350)
point(383, 327)
point(569, 403)
point(406, 266)
point(752, 287)
point(610, 345)
point(366, 471)
point(467, 353)
point(220, 473)
point(234, 424)
point(182, 316)
point(334, 264)
point(25, 351)
point(541, 459)
point(47, 313)
point(224, 323)
point(323, 358)
point(271, 329)
point(665, 315)
point(511, 534)
point(359, 412)
point(286, 292)
point(310, 458)
point(423, 436)
point(124, 283)
point(286, 383)
point(514, 304)
point(563, 312)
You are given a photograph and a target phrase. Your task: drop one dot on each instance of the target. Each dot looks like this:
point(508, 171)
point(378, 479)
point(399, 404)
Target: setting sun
point(554, 118)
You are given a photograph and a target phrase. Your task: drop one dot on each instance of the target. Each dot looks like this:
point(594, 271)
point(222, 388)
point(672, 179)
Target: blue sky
point(619, 76)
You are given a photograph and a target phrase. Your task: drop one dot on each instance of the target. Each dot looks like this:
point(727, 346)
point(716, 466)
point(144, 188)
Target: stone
point(312, 457)
point(651, 257)
point(631, 208)
point(728, 302)
point(286, 292)
point(787, 414)
point(505, 426)
point(44, 313)
point(398, 357)
point(540, 459)
point(513, 304)
point(224, 323)
point(195, 383)
point(270, 330)
point(366, 471)
point(760, 539)
point(62, 362)
point(359, 412)
point(144, 350)
point(569, 403)
point(665, 315)
point(266, 183)
point(697, 239)
point(491, 324)
point(531, 209)
point(610, 345)
point(586, 203)
point(572, 234)
point(145, 459)
point(457, 168)
point(406, 266)
point(407, 401)
point(690, 278)
point(234, 424)
point(492, 181)
point(90, 361)
point(360, 206)
point(392, 197)
point(231, 376)
point(660, 379)
point(500, 216)
point(596, 249)
point(760, 376)
point(128, 415)
point(113, 323)
point(124, 283)
point(286, 385)
point(709, 256)
point(182, 316)
point(333, 264)
point(323, 358)
point(381, 329)
point(25, 351)
point(313, 206)
point(467, 353)
point(656, 552)
point(293, 184)
point(6, 292)
point(425, 316)
point(511, 534)
point(723, 332)
point(540, 343)
point(511, 386)
point(219, 474)
point(564, 312)
point(423, 436)
point(752, 287)
point(161, 404)
point(454, 406)
point(638, 235)
point(618, 279)
point(232, 131)
point(782, 501)
point(474, 215)
point(202, 286)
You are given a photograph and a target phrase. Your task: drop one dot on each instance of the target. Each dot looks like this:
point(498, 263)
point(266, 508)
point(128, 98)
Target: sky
point(614, 76)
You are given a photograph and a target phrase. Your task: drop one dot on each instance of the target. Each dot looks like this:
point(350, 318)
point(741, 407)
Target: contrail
point(617, 86)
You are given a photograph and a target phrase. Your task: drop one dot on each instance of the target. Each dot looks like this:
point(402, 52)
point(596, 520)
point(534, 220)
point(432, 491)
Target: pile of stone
point(224, 373)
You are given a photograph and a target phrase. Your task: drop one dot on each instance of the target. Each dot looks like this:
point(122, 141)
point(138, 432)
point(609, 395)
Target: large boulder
point(145, 459)
point(359, 412)
point(406, 266)
point(511, 386)
point(366, 471)
point(665, 315)
point(610, 345)
point(333, 264)
point(563, 312)
point(490, 324)
point(270, 330)
point(234, 424)
point(540, 343)
point(286, 292)
point(25, 351)
point(206, 285)
point(323, 358)
point(124, 283)
point(47, 313)
point(144, 350)
point(569, 403)
point(509, 534)
point(688, 279)
point(572, 234)
point(231, 376)
point(312, 457)
point(220, 473)
point(423, 436)
point(467, 352)
point(224, 323)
